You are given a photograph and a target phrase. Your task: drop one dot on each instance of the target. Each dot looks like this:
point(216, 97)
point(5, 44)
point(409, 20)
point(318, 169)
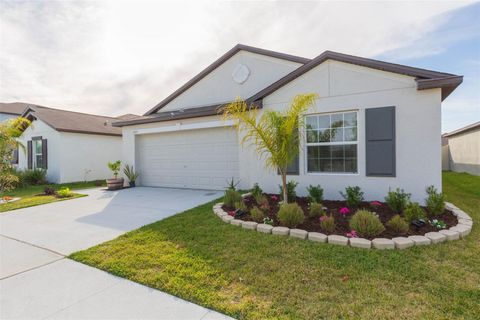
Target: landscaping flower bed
point(341, 217)
point(395, 223)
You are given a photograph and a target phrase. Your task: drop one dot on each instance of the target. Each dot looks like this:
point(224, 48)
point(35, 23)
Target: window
point(37, 153)
point(332, 142)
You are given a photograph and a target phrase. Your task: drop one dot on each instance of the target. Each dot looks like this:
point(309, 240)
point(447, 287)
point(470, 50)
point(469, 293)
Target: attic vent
point(240, 73)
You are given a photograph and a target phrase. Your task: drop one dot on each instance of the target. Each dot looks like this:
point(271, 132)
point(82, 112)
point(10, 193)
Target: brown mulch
point(341, 221)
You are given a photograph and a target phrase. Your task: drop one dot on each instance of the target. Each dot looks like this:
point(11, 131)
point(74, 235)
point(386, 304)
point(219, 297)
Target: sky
point(117, 57)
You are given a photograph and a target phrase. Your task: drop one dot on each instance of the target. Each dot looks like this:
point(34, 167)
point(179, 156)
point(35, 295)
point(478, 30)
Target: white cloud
point(114, 57)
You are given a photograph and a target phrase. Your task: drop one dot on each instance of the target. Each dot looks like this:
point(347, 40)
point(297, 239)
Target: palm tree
point(9, 132)
point(276, 135)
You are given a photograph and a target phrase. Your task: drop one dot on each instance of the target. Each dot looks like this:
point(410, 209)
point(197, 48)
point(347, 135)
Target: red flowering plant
point(231, 213)
point(274, 198)
point(375, 204)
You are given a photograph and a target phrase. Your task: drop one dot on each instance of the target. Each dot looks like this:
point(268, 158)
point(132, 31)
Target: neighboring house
point(389, 138)
point(11, 110)
point(461, 149)
point(71, 146)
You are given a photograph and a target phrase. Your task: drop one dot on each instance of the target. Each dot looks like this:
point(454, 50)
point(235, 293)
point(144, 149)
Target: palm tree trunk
point(284, 184)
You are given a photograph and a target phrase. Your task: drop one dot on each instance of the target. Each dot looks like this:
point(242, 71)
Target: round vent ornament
point(240, 73)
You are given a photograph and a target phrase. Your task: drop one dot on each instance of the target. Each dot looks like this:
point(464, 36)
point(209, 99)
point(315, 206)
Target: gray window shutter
point(15, 156)
point(44, 154)
point(29, 154)
point(380, 142)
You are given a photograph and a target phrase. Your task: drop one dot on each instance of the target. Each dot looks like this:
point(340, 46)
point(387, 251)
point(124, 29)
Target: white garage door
point(198, 159)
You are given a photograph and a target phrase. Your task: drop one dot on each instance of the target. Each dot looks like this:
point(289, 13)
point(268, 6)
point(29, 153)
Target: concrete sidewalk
point(38, 282)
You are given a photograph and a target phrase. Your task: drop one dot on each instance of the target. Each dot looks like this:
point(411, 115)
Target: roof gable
point(426, 79)
point(216, 64)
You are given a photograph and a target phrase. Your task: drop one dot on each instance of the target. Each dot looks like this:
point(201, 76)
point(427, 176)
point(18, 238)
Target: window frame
point(341, 143)
point(35, 154)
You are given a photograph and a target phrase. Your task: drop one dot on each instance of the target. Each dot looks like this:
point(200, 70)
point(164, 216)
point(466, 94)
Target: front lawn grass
point(33, 195)
point(249, 275)
point(35, 200)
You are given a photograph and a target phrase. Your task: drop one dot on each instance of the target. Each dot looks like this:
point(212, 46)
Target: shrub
point(267, 220)
point(115, 167)
point(130, 173)
point(34, 176)
point(64, 193)
point(435, 201)
point(353, 196)
point(261, 199)
point(397, 200)
point(316, 209)
point(256, 191)
point(398, 224)
point(366, 224)
point(291, 193)
point(231, 184)
point(240, 205)
point(315, 193)
point(230, 197)
point(413, 212)
point(327, 224)
point(290, 215)
point(257, 214)
point(49, 191)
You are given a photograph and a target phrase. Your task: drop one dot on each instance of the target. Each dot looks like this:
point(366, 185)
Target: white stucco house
point(386, 131)
point(71, 146)
point(461, 149)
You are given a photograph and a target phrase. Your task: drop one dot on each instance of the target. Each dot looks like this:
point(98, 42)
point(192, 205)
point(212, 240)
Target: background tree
point(276, 135)
point(10, 130)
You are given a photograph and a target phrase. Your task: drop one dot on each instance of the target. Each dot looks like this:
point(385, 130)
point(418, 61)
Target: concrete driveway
point(38, 282)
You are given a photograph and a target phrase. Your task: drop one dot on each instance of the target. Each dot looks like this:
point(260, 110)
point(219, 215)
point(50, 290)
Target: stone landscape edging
point(459, 231)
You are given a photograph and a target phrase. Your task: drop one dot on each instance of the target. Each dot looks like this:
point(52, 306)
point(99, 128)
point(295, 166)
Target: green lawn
point(32, 195)
point(248, 275)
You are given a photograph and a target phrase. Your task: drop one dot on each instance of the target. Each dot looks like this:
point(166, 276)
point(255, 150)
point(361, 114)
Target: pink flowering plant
point(323, 218)
point(274, 198)
point(344, 211)
point(352, 234)
point(231, 213)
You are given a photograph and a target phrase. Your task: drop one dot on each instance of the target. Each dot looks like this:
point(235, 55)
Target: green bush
point(366, 224)
point(291, 193)
point(435, 202)
point(290, 215)
point(413, 211)
point(230, 197)
point(353, 196)
point(257, 214)
point(34, 176)
point(256, 191)
point(240, 205)
point(316, 209)
point(398, 224)
point(64, 193)
point(397, 200)
point(115, 167)
point(327, 224)
point(315, 193)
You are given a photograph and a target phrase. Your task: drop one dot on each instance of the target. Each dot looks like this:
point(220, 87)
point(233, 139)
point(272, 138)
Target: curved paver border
point(461, 230)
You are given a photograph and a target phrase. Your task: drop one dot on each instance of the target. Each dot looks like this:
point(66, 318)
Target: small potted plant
point(131, 175)
point(115, 183)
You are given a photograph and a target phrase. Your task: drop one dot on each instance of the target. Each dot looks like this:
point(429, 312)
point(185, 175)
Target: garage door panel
point(204, 158)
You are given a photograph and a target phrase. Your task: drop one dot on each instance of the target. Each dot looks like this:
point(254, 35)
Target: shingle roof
point(70, 121)
point(15, 108)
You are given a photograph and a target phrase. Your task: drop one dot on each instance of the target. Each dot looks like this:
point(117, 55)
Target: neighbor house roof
point(15, 108)
point(75, 122)
point(470, 127)
point(425, 79)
